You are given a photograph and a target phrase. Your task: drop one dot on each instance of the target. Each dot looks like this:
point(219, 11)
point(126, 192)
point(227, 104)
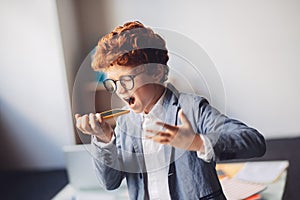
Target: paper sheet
point(262, 172)
point(235, 189)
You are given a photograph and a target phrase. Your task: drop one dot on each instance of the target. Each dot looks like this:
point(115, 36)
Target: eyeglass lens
point(125, 81)
point(110, 85)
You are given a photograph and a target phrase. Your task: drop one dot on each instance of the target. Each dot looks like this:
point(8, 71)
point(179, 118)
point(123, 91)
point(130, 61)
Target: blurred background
point(254, 45)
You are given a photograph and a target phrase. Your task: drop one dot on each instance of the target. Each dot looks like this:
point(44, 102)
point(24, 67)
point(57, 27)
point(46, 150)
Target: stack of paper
point(247, 180)
point(262, 172)
point(235, 189)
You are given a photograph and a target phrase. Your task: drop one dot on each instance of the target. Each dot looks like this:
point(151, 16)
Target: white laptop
point(82, 176)
point(80, 168)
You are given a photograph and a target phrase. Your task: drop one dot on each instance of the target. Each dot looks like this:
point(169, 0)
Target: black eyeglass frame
point(132, 77)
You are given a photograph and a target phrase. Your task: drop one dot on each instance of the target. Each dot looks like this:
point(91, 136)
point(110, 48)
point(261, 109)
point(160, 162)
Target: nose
point(120, 88)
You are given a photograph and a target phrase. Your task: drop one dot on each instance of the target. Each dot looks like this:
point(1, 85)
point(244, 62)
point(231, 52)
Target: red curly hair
point(131, 45)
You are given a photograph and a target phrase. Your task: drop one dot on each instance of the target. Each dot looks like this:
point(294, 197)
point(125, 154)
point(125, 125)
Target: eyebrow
point(134, 71)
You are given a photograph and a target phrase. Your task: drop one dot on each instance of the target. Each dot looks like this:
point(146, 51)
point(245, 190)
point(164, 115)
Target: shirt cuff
point(102, 144)
point(206, 152)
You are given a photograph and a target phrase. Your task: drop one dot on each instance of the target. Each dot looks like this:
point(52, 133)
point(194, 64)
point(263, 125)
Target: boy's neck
point(160, 90)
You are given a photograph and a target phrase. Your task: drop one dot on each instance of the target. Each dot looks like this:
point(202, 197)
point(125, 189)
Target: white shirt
point(156, 164)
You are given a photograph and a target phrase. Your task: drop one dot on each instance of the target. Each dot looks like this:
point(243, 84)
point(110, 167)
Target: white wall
point(255, 46)
point(35, 110)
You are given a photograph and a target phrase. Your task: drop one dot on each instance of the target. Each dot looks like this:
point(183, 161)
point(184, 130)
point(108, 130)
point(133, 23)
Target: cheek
point(144, 80)
point(145, 93)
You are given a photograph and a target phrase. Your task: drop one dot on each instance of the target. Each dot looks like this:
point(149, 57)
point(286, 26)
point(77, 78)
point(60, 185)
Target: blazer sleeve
point(231, 138)
point(108, 164)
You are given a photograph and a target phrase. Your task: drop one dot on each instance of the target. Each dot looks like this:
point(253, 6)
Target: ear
point(158, 73)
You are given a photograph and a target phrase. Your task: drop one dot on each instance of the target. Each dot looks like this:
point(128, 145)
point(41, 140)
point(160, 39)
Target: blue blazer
point(189, 176)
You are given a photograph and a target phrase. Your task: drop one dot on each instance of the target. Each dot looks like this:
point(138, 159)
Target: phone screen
point(113, 113)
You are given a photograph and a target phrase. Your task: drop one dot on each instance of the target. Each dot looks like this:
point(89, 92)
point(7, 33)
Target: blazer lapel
point(137, 142)
point(171, 108)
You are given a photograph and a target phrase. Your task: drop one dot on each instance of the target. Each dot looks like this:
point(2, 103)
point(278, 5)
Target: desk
point(274, 190)
point(70, 193)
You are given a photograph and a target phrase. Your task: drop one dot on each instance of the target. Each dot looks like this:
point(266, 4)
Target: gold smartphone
point(113, 113)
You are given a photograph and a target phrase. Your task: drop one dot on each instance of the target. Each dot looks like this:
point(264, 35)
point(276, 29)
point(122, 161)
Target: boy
point(166, 147)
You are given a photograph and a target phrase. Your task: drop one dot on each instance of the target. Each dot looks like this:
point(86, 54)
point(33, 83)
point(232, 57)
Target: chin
point(137, 110)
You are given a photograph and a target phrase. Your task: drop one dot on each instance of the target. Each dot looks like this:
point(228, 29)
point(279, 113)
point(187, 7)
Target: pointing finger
point(167, 126)
point(159, 134)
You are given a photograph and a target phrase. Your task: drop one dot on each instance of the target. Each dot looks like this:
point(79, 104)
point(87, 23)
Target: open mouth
point(130, 100)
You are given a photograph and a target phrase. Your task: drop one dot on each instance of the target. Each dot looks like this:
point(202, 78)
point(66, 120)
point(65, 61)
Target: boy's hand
point(181, 136)
point(93, 124)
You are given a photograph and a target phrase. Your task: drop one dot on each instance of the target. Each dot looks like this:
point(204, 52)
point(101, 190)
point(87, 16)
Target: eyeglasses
point(126, 81)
